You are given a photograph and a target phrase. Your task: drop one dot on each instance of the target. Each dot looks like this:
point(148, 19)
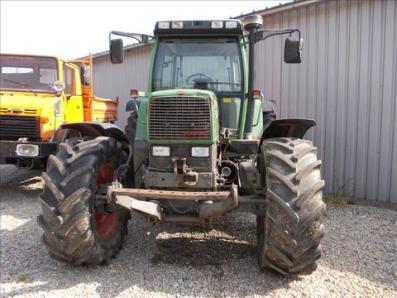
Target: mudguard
point(288, 128)
point(91, 129)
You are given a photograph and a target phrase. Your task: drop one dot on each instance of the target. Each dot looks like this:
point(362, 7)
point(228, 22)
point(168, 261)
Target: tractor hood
point(184, 92)
point(173, 120)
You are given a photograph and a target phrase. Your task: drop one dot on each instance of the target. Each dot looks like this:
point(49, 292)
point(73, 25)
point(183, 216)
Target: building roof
point(267, 11)
point(126, 48)
point(280, 8)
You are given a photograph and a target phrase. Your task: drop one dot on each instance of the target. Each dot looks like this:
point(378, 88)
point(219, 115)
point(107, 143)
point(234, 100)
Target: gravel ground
point(359, 259)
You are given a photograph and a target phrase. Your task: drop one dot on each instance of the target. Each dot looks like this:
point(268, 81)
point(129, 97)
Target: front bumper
point(8, 153)
point(146, 201)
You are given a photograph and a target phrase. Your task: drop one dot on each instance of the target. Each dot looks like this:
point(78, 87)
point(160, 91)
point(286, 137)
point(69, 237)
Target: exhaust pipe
point(251, 24)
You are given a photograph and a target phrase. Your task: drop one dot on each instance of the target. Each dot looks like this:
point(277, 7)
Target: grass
point(339, 200)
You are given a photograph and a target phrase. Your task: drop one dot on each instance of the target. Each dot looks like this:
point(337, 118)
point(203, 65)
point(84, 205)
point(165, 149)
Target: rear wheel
point(289, 234)
point(78, 225)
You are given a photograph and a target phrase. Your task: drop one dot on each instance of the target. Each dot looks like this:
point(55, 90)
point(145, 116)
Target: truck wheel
point(78, 226)
point(289, 234)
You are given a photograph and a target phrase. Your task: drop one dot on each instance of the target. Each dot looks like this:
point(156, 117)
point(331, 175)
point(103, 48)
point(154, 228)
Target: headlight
point(161, 151)
point(200, 151)
point(27, 150)
point(177, 25)
point(216, 24)
point(231, 24)
point(164, 25)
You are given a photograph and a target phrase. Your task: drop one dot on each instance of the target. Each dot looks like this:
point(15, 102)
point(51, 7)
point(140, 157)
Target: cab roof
point(31, 55)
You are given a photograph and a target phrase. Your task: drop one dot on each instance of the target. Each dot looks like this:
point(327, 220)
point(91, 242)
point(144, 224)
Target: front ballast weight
point(211, 204)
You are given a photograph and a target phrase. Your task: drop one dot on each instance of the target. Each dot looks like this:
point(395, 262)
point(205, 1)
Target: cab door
point(74, 111)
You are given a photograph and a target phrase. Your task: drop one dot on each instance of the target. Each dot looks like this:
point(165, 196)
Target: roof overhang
point(281, 8)
point(126, 49)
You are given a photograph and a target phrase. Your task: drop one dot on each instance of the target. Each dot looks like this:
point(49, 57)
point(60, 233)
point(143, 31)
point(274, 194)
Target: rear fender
point(287, 128)
point(90, 129)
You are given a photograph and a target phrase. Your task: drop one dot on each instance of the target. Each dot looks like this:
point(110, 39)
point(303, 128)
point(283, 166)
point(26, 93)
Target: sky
point(72, 29)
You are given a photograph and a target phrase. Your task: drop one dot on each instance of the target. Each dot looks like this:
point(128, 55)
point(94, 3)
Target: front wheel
point(79, 227)
point(290, 232)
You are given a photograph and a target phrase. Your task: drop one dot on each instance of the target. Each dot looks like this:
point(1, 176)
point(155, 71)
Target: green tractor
point(200, 143)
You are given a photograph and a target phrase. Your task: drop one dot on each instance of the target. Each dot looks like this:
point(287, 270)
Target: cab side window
point(70, 83)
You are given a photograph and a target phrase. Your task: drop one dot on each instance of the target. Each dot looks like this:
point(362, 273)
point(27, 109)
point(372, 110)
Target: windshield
point(211, 64)
point(28, 73)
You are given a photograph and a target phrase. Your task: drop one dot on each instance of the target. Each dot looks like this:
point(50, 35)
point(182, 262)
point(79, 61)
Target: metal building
point(347, 82)
point(116, 80)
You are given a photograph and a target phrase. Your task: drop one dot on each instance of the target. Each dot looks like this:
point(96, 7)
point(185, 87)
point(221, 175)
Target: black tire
point(290, 233)
point(75, 228)
point(130, 128)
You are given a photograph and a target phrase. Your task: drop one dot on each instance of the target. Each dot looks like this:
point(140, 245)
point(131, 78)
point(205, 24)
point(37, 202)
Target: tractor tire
point(130, 128)
point(77, 228)
point(290, 232)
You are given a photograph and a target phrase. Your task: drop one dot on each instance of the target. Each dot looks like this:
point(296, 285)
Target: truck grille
point(15, 127)
point(176, 118)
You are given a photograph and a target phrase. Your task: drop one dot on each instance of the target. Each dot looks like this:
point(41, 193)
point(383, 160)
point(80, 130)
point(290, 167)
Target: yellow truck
point(45, 100)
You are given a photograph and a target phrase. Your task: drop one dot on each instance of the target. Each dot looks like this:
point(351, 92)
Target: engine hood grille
point(15, 127)
point(180, 118)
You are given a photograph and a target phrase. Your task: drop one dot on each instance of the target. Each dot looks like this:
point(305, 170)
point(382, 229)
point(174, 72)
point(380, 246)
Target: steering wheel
point(199, 75)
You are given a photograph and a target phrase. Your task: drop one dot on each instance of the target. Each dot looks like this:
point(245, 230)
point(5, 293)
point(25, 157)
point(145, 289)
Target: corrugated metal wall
point(116, 80)
point(347, 82)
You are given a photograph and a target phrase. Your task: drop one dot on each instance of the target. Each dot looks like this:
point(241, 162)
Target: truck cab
point(38, 94)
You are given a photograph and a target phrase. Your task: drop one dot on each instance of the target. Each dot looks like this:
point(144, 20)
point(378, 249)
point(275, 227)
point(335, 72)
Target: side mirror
point(292, 51)
point(116, 51)
point(58, 87)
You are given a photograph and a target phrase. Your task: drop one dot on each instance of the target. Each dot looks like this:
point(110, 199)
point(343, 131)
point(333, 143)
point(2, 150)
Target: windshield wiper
point(225, 83)
point(23, 85)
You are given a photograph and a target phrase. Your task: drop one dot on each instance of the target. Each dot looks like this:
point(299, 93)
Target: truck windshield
point(28, 73)
point(211, 63)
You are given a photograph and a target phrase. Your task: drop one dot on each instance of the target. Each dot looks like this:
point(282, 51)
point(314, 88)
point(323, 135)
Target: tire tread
point(67, 203)
point(292, 227)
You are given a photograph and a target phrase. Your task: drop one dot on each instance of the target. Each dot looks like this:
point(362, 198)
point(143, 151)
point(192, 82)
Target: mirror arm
point(135, 104)
point(140, 38)
point(264, 34)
